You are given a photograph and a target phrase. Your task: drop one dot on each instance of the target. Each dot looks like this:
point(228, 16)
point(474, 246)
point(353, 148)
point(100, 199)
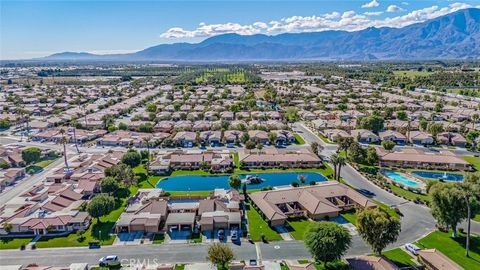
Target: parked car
point(221, 235)
point(253, 262)
point(108, 260)
point(412, 248)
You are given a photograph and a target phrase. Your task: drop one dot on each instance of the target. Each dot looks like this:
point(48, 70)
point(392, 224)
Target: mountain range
point(452, 36)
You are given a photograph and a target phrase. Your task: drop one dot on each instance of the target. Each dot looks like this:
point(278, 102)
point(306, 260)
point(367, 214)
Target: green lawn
point(299, 226)
point(45, 162)
point(326, 170)
point(179, 266)
point(411, 73)
point(475, 161)
point(477, 218)
point(145, 180)
point(97, 230)
point(399, 257)
point(299, 139)
point(454, 248)
point(236, 160)
point(39, 166)
point(257, 226)
point(408, 194)
point(191, 193)
point(158, 238)
point(387, 208)
point(14, 243)
point(350, 216)
point(324, 139)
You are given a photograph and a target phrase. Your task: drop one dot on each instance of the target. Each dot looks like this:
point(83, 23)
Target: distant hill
point(453, 36)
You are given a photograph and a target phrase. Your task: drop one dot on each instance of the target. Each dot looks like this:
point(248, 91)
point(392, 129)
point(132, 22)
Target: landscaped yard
point(350, 216)
point(454, 248)
point(475, 161)
point(399, 257)
point(39, 166)
point(14, 243)
point(408, 194)
point(96, 231)
point(324, 139)
point(257, 226)
point(299, 139)
point(144, 180)
point(299, 226)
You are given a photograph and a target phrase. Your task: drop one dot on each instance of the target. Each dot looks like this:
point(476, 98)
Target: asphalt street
point(416, 222)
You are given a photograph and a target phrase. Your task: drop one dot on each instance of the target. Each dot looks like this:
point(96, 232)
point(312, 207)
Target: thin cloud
point(375, 13)
point(372, 4)
point(347, 21)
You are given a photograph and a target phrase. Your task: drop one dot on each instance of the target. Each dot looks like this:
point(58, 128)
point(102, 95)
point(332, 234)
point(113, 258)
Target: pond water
point(439, 176)
point(211, 182)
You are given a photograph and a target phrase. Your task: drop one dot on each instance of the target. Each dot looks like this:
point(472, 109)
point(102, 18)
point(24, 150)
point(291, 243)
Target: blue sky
point(37, 28)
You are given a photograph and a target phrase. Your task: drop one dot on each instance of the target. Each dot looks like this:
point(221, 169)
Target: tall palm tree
point(63, 141)
point(84, 107)
point(475, 118)
point(341, 162)
point(334, 160)
point(73, 123)
point(147, 143)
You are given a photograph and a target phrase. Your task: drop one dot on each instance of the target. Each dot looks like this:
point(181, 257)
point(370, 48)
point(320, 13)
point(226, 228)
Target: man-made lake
point(211, 182)
point(439, 176)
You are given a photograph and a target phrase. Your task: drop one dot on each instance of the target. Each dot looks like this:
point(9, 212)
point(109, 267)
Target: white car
point(107, 260)
point(412, 248)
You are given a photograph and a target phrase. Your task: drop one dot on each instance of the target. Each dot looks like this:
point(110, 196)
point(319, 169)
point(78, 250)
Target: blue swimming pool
point(211, 182)
point(399, 178)
point(439, 176)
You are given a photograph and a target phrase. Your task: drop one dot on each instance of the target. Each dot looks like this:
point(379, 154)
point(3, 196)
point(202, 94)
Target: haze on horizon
point(35, 29)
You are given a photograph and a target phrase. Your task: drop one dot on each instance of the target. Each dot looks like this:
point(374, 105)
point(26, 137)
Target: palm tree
point(341, 162)
point(74, 126)
point(334, 160)
point(64, 142)
point(84, 107)
point(302, 178)
point(475, 118)
point(147, 143)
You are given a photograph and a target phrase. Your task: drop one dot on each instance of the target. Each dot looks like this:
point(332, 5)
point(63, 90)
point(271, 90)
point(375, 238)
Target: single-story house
point(420, 137)
point(392, 135)
point(315, 202)
point(421, 159)
point(364, 136)
point(452, 138)
point(433, 259)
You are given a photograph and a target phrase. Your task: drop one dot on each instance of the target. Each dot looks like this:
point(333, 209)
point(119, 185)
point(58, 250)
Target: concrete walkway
point(284, 233)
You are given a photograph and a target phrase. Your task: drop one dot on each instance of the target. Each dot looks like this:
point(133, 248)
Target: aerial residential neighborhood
point(295, 136)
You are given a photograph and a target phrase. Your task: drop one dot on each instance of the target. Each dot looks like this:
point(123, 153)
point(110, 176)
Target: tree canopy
point(235, 181)
point(31, 155)
point(220, 255)
point(132, 158)
point(101, 205)
point(377, 228)
point(327, 241)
